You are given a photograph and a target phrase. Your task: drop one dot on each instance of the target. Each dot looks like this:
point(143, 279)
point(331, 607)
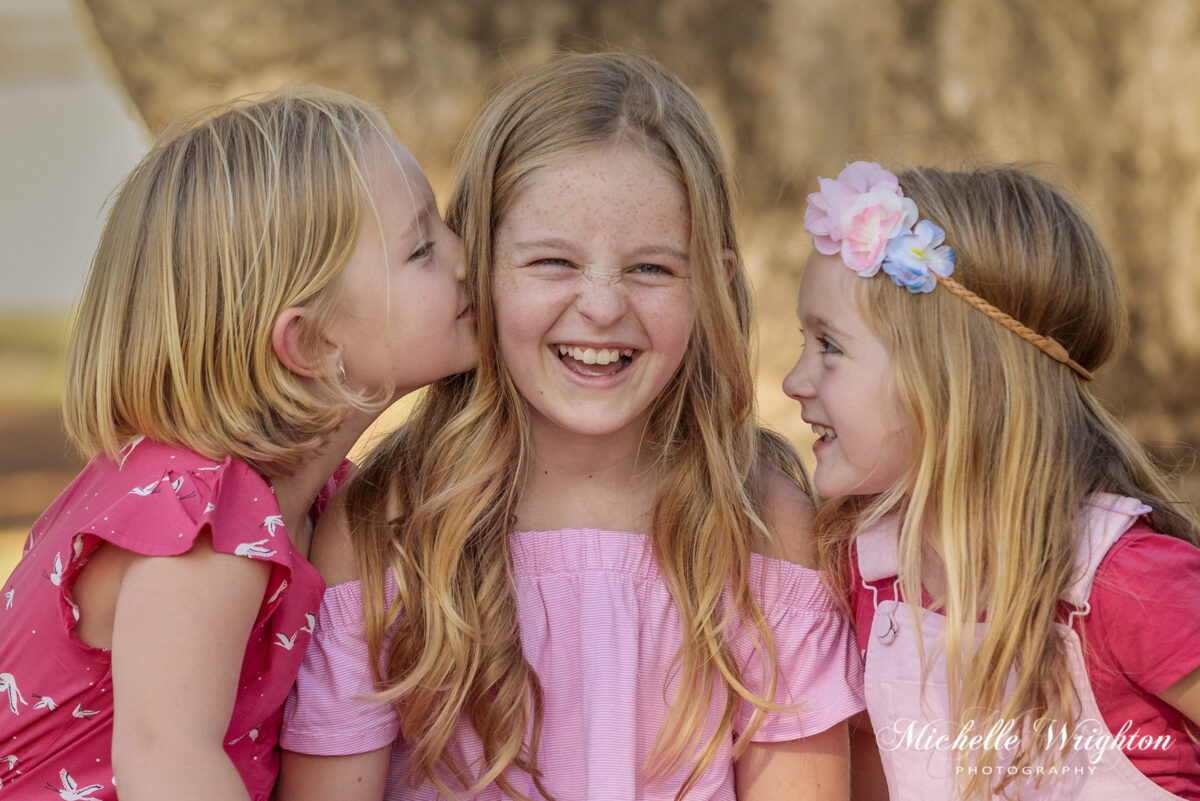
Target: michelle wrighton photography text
point(1069, 749)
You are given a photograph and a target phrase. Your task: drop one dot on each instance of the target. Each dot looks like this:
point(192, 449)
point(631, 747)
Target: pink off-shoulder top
point(599, 627)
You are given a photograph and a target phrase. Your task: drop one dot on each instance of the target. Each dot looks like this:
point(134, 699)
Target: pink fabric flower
point(857, 213)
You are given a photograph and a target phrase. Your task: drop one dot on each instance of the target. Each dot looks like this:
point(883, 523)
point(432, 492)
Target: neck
point(579, 481)
point(296, 491)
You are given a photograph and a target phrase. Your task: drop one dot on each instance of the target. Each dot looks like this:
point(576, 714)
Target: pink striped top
point(599, 627)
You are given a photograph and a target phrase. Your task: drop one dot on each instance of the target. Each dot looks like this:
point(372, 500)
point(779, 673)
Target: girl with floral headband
point(1022, 579)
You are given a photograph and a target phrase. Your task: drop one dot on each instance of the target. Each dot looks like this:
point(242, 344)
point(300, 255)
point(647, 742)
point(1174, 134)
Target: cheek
point(521, 316)
point(897, 445)
point(505, 304)
point(670, 320)
point(424, 296)
point(896, 439)
point(898, 419)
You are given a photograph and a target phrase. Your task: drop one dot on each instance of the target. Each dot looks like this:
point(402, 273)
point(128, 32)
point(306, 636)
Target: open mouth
point(595, 361)
point(824, 433)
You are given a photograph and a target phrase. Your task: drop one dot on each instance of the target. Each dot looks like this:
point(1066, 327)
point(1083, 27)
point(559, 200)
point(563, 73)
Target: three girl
point(579, 572)
point(269, 277)
point(1015, 563)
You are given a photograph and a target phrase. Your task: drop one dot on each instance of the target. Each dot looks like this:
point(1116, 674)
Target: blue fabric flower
point(915, 258)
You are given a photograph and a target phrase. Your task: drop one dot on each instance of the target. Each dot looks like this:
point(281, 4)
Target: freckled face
point(592, 290)
point(844, 383)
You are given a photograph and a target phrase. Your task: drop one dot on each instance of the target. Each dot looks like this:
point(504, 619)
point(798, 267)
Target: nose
point(602, 300)
point(798, 383)
point(459, 254)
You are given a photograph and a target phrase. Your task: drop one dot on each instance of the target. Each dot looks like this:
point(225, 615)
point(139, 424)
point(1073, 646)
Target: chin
point(578, 422)
point(837, 490)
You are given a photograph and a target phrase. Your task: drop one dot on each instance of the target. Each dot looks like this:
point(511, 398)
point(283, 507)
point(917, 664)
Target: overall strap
point(878, 549)
point(1104, 519)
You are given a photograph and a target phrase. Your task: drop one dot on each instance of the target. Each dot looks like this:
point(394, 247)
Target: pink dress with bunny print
point(56, 711)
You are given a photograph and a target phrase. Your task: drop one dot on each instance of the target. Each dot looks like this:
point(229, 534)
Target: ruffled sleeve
point(327, 713)
point(158, 500)
point(820, 671)
point(173, 495)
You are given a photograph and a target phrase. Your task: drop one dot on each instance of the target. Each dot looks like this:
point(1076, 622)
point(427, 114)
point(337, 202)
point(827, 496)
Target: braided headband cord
point(1047, 345)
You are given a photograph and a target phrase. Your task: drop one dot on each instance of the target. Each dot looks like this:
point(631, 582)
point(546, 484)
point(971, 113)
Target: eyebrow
point(550, 242)
point(565, 244)
point(817, 321)
point(663, 250)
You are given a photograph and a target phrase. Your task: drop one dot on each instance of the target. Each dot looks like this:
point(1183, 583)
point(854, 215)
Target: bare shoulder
point(788, 515)
point(332, 551)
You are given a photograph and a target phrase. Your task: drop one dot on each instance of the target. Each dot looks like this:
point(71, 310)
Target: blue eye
point(824, 344)
point(651, 269)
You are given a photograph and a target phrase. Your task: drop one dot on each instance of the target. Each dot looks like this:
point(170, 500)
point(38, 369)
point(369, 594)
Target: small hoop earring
point(341, 374)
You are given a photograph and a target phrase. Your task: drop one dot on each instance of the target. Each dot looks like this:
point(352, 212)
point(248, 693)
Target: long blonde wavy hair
point(236, 213)
point(435, 502)
point(1009, 442)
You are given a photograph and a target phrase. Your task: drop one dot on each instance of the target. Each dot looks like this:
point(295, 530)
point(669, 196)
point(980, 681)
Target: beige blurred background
point(1098, 95)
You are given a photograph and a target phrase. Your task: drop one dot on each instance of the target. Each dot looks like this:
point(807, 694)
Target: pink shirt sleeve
point(328, 713)
point(820, 672)
point(1145, 613)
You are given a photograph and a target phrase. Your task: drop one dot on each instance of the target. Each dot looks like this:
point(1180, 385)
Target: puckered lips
point(595, 360)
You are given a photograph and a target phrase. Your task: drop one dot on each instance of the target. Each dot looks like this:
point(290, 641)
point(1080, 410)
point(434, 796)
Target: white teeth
point(824, 432)
point(593, 355)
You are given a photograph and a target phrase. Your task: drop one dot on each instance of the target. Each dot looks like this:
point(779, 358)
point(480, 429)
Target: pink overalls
point(919, 746)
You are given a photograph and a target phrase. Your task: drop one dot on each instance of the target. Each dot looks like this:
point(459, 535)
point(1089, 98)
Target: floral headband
point(864, 217)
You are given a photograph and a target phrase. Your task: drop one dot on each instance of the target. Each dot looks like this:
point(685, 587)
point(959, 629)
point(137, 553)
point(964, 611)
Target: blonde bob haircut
point(237, 213)
point(435, 503)
point(1009, 442)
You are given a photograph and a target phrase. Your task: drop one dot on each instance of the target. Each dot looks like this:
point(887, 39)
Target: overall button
point(884, 628)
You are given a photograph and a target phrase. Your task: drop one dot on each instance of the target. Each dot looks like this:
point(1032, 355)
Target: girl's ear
point(288, 341)
point(730, 261)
